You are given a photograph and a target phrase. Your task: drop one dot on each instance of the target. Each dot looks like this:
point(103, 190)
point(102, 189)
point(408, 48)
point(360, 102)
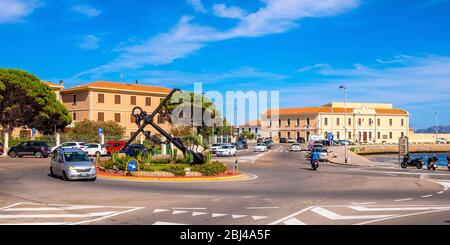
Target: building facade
point(112, 101)
point(360, 122)
point(252, 127)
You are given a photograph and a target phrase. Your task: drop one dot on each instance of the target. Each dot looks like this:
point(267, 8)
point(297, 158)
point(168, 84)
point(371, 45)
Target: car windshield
point(225, 147)
point(76, 156)
point(295, 144)
point(321, 150)
point(260, 145)
point(216, 145)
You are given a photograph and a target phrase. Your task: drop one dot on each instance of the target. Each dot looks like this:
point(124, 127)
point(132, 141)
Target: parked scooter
point(432, 163)
point(407, 161)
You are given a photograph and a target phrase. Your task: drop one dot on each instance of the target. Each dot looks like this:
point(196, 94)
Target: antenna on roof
point(136, 81)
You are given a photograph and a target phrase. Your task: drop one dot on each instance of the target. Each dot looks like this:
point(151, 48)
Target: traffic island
point(166, 176)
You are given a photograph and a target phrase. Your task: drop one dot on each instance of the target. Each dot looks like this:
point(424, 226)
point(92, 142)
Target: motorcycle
point(315, 165)
point(432, 163)
point(407, 161)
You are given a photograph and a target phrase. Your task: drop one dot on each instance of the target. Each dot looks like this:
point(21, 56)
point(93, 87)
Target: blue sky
point(382, 50)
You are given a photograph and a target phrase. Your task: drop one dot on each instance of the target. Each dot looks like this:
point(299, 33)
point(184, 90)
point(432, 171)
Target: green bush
point(210, 169)
point(176, 169)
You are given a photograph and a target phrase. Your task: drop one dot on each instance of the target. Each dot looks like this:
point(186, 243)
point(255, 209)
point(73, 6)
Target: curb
point(163, 179)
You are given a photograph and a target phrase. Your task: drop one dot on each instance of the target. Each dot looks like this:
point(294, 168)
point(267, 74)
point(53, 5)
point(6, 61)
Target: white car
point(213, 149)
point(291, 141)
point(96, 150)
point(296, 147)
point(226, 151)
point(67, 145)
point(323, 154)
point(442, 141)
point(260, 147)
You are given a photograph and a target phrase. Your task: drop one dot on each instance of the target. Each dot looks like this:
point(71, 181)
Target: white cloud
point(186, 37)
point(86, 10)
point(197, 5)
point(397, 59)
point(89, 42)
point(223, 11)
point(15, 10)
point(310, 68)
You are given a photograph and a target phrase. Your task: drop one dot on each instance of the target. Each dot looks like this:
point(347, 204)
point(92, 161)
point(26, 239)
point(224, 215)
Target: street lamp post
point(436, 125)
point(345, 121)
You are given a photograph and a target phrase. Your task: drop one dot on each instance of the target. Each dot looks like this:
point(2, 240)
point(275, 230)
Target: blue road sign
point(132, 165)
point(330, 136)
point(100, 131)
point(33, 132)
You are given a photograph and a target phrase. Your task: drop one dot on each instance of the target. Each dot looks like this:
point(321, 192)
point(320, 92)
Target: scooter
point(407, 161)
point(432, 163)
point(315, 164)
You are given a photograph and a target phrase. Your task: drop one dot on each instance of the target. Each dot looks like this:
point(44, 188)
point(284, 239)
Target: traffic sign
point(33, 132)
point(330, 136)
point(100, 131)
point(132, 165)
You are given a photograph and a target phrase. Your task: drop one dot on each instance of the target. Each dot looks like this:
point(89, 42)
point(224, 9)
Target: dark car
point(1, 149)
point(244, 143)
point(283, 140)
point(134, 149)
point(30, 148)
point(238, 145)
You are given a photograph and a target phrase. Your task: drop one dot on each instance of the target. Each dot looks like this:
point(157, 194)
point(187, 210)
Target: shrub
point(210, 169)
point(176, 169)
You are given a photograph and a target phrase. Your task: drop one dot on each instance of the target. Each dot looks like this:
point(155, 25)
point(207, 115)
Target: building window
point(337, 121)
point(132, 119)
point(390, 122)
point(289, 135)
point(390, 135)
point(117, 99)
point(101, 116)
point(370, 122)
point(359, 122)
point(349, 122)
point(298, 135)
point(378, 135)
point(402, 134)
point(298, 122)
point(349, 135)
point(101, 98)
point(133, 100)
point(326, 121)
point(148, 101)
point(256, 130)
point(370, 135)
point(378, 122)
point(74, 116)
point(403, 122)
point(160, 119)
point(279, 122)
point(338, 135)
point(279, 135)
point(289, 122)
point(307, 121)
point(270, 123)
point(74, 99)
point(117, 117)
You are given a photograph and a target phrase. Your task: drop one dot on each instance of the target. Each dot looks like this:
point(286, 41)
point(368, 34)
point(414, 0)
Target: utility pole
point(345, 123)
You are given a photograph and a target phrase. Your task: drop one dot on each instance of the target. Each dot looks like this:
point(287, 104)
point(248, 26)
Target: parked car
point(283, 140)
point(296, 147)
point(214, 147)
point(114, 146)
point(259, 140)
point(300, 140)
point(238, 145)
point(442, 141)
point(96, 150)
point(134, 149)
point(346, 142)
point(260, 147)
point(323, 153)
point(291, 141)
point(80, 145)
point(314, 144)
point(226, 150)
point(269, 144)
point(243, 142)
point(72, 164)
point(1, 149)
point(30, 148)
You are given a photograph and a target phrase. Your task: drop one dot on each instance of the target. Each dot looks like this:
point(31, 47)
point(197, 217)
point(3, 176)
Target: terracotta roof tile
point(315, 110)
point(252, 123)
point(123, 86)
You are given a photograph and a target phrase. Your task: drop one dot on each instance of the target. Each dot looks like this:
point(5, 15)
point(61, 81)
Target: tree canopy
point(87, 131)
point(26, 101)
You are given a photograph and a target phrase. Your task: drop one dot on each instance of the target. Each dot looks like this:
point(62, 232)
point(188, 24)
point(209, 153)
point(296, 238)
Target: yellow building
point(364, 122)
point(112, 101)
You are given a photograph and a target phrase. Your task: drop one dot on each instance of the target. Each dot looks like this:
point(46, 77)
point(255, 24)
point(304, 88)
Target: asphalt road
point(283, 191)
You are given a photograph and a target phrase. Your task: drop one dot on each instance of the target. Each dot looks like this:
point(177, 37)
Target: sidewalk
point(337, 156)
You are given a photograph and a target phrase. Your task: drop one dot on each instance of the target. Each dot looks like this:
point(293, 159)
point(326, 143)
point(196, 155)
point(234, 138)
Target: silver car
point(72, 164)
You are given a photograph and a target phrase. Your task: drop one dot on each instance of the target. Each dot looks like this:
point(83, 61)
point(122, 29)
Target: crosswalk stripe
point(28, 216)
point(258, 217)
point(293, 221)
point(198, 213)
point(334, 216)
point(167, 223)
point(214, 215)
point(160, 210)
point(179, 212)
point(237, 216)
point(366, 209)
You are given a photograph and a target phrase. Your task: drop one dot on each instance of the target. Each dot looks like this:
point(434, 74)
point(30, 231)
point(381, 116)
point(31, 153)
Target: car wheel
point(404, 165)
point(38, 154)
point(64, 176)
point(51, 172)
point(12, 154)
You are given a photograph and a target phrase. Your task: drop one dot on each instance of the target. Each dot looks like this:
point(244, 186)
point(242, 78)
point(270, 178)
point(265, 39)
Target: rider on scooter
point(314, 156)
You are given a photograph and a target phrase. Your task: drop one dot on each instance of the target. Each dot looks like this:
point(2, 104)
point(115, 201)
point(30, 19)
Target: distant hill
point(441, 129)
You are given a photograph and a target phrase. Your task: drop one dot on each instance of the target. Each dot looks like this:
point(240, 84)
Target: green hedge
point(210, 169)
point(176, 169)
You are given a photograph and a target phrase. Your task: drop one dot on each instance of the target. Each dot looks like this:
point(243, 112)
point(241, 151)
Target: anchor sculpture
point(142, 119)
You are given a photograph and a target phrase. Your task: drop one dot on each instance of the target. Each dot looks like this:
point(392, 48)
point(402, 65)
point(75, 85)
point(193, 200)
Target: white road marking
point(167, 223)
point(258, 156)
point(363, 203)
point(190, 208)
point(254, 217)
point(49, 208)
point(440, 192)
point(179, 212)
point(427, 196)
point(261, 207)
point(402, 200)
point(237, 216)
point(290, 216)
point(198, 213)
point(10, 206)
point(39, 223)
point(368, 209)
point(214, 215)
point(400, 216)
point(50, 216)
point(334, 216)
point(160, 210)
point(293, 221)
